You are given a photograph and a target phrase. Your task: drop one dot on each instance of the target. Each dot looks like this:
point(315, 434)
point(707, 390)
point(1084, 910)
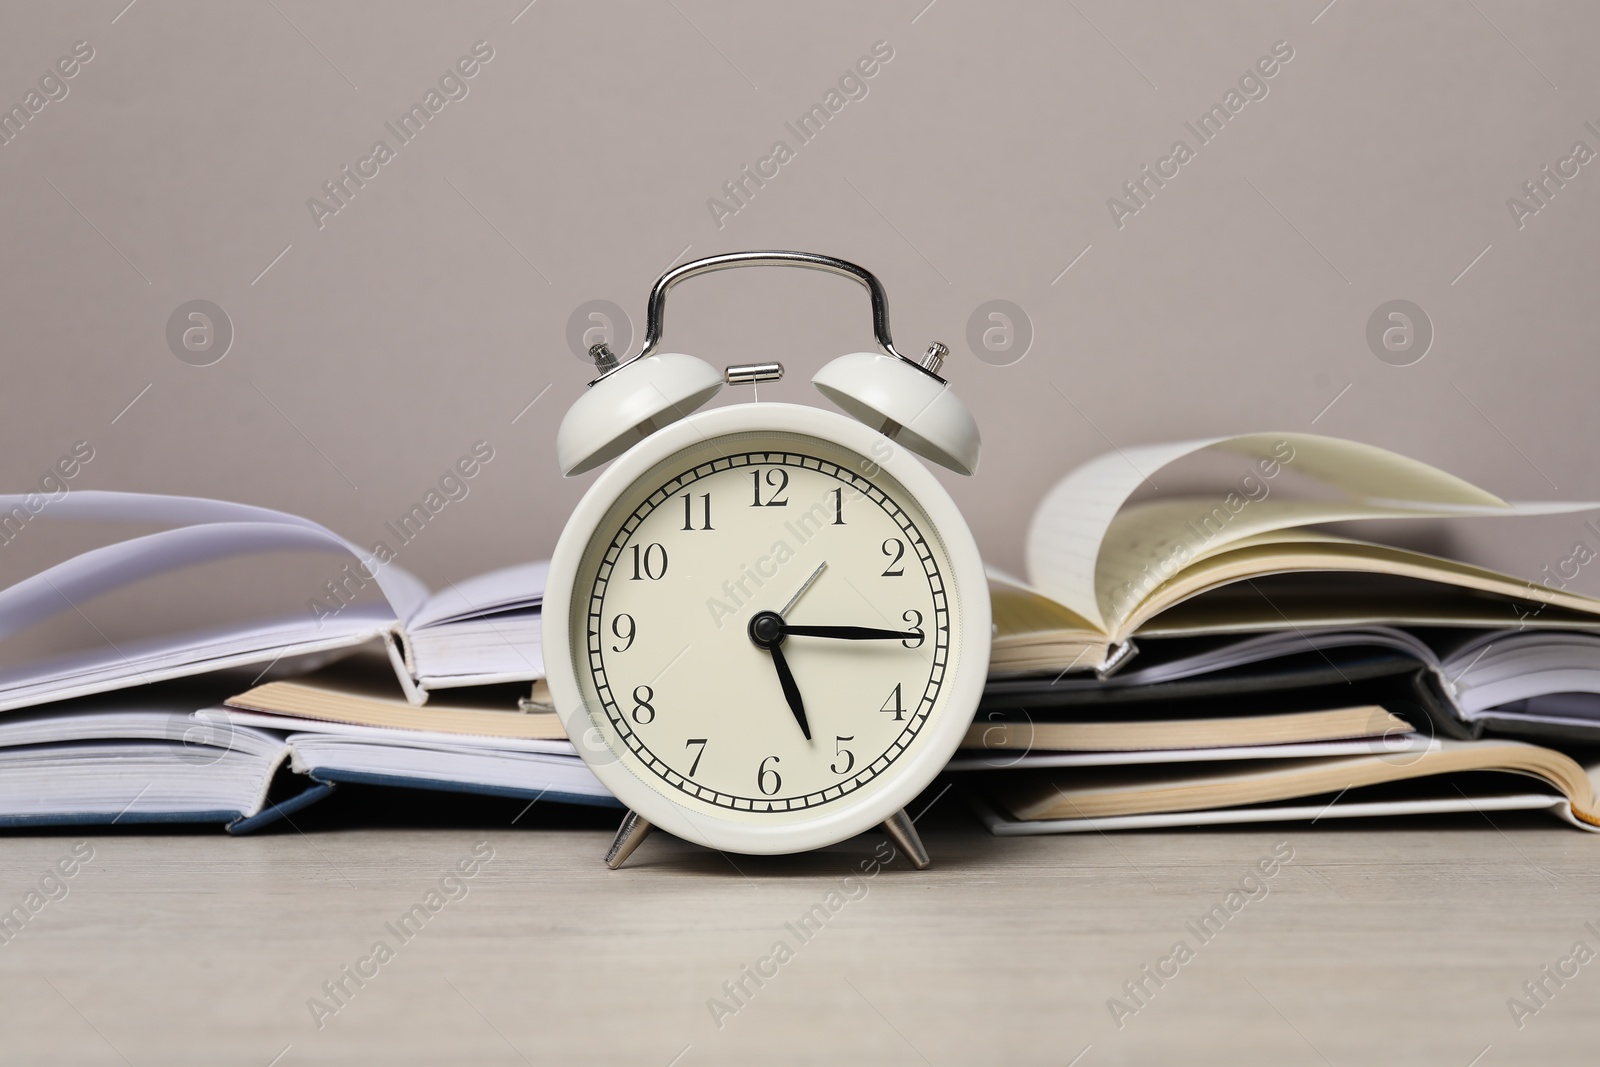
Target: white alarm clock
point(767, 625)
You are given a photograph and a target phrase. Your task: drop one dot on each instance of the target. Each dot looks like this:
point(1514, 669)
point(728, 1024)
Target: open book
point(1263, 786)
point(234, 585)
point(347, 723)
point(355, 693)
point(1126, 547)
point(170, 753)
point(1138, 734)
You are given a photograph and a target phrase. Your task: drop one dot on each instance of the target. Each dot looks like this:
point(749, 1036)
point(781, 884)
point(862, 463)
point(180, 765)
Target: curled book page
point(1090, 550)
point(202, 530)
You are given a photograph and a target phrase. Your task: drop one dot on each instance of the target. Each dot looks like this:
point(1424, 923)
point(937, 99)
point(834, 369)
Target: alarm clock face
point(766, 628)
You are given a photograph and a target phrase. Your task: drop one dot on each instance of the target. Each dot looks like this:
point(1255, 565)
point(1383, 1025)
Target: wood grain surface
point(1394, 944)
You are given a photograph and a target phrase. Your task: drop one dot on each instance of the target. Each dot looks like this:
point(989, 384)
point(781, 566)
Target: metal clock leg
point(629, 835)
point(904, 835)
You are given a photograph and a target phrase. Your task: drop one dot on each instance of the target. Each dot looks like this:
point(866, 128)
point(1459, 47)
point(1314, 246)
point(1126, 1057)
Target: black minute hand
point(849, 633)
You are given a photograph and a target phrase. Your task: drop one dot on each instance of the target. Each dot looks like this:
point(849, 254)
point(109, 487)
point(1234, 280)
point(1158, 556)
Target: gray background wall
point(372, 351)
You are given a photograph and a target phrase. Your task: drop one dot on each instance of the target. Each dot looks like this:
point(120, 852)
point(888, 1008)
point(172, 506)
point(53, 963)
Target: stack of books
point(1214, 631)
point(1203, 640)
point(175, 669)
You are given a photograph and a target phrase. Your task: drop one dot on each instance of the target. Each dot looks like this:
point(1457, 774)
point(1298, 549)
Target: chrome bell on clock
point(901, 397)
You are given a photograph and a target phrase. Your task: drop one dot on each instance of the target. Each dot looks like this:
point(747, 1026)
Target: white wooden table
point(1372, 945)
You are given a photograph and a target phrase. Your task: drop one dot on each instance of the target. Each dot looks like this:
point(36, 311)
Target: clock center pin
point(766, 629)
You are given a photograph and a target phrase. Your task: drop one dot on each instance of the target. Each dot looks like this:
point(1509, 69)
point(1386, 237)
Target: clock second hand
point(846, 633)
point(784, 611)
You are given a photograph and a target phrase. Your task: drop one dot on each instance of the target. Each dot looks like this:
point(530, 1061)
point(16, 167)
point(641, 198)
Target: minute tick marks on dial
point(708, 573)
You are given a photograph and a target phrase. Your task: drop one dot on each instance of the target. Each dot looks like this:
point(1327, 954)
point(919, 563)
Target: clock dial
point(767, 626)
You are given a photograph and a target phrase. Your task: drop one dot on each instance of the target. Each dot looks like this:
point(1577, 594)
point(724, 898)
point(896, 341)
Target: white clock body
point(647, 645)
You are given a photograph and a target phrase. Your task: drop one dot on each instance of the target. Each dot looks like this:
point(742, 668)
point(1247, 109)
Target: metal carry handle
point(655, 313)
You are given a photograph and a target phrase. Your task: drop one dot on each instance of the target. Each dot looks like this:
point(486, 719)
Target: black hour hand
point(766, 631)
point(791, 691)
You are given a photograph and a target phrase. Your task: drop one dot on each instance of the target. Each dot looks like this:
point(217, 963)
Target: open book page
point(1099, 792)
point(483, 630)
point(1511, 667)
point(1149, 543)
point(1233, 652)
point(358, 691)
point(226, 718)
point(1268, 731)
point(131, 781)
point(1032, 632)
point(518, 588)
point(1019, 609)
point(462, 767)
point(1449, 802)
point(200, 532)
point(1085, 552)
point(284, 646)
point(132, 757)
point(135, 717)
point(1414, 605)
point(1017, 761)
